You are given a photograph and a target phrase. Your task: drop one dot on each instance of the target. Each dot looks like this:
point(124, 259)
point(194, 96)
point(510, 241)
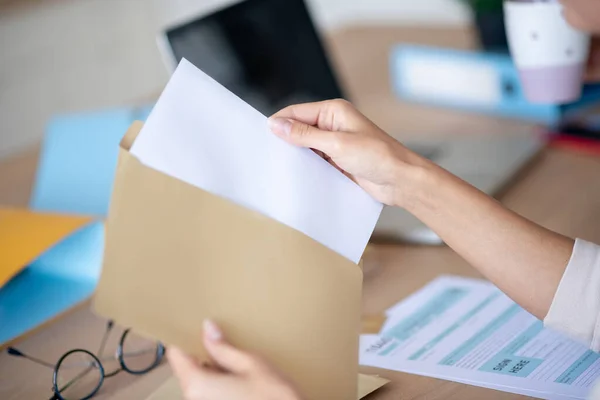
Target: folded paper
point(201, 133)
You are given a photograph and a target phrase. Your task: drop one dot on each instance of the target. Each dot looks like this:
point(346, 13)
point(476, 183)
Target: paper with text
point(201, 133)
point(468, 331)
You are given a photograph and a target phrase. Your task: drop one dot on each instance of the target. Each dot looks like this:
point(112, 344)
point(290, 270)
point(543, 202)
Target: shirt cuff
point(576, 305)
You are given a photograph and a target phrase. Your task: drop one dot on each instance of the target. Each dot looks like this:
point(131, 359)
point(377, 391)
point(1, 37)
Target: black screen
point(265, 51)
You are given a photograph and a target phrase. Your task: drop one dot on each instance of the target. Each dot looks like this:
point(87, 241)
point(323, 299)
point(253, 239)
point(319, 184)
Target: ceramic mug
point(550, 54)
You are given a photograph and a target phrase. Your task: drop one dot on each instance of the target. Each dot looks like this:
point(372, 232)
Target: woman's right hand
point(507, 248)
point(353, 144)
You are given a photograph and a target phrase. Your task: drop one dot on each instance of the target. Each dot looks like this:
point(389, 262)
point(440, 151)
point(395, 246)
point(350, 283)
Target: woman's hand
point(525, 260)
point(235, 375)
point(585, 15)
point(582, 14)
point(353, 144)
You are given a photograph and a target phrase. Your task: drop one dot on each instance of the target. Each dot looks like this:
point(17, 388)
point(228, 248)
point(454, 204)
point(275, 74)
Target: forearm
point(523, 259)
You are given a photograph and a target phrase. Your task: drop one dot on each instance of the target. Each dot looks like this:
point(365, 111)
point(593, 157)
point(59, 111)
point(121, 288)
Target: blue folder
point(78, 160)
point(63, 276)
point(75, 175)
point(509, 101)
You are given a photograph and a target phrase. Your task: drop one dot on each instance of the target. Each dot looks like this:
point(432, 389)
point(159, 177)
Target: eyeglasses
point(79, 373)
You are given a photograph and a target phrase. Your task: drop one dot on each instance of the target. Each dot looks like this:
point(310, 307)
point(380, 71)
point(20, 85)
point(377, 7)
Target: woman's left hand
point(235, 375)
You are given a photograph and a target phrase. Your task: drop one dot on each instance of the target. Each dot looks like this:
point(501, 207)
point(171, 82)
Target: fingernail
point(211, 330)
point(280, 125)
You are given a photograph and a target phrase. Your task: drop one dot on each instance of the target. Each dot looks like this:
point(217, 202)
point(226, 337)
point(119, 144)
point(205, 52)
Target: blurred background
point(436, 74)
point(67, 55)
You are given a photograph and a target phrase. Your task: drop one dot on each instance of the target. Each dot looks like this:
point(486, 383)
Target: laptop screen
point(267, 52)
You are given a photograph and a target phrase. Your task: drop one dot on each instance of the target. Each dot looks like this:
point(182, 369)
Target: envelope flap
point(131, 134)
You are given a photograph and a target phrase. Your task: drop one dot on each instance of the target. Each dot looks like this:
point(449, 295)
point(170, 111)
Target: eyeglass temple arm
point(109, 326)
point(17, 353)
point(76, 378)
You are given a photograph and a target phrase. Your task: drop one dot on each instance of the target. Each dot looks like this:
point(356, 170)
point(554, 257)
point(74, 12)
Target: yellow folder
point(25, 235)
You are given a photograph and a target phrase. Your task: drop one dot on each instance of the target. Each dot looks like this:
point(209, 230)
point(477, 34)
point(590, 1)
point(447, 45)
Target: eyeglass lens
point(139, 354)
point(78, 375)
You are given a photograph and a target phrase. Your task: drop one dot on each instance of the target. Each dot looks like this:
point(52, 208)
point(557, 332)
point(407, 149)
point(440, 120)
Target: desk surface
point(560, 191)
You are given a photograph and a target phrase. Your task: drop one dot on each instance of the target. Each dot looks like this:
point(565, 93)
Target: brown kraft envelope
point(176, 254)
point(170, 389)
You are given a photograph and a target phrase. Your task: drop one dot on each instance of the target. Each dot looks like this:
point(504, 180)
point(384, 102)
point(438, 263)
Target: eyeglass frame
point(160, 351)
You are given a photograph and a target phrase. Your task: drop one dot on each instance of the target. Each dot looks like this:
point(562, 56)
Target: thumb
point(303, 135)
point(222, 352)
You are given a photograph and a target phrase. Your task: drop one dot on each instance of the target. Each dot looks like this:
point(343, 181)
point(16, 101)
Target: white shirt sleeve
point(575, 310)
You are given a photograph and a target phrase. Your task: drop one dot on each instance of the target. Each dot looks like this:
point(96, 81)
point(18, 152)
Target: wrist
point(415, 178)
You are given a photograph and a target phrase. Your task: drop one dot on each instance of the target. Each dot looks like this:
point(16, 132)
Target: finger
point(222, 352)
point(319, 153)
point(211, 385)
point(304, 135)
point(184, 367)
point(196, 381)
point(307, 113)
point(329, 115)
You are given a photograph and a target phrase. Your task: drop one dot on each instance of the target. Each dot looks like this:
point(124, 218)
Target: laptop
point(269, 53)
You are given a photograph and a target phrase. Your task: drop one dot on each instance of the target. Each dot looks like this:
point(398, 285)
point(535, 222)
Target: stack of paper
point(467, 331)
point(202, 134)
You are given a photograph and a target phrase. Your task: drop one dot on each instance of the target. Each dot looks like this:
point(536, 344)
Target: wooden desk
point(560, 191)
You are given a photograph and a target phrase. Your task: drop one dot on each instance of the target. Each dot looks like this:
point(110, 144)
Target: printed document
point(468, 331)
point(202, 134)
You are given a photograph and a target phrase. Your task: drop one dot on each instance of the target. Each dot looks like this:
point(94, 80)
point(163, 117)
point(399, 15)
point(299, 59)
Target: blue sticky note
point(59, 279)
point(78, 160)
